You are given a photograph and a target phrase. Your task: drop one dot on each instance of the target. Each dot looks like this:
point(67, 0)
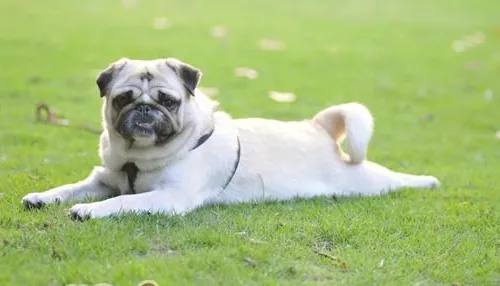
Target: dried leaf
point(473, 65)
point(427, 117)
point(129, 3)
point(250, 261)
point(459, 46)
point(381, 263)
point(282, 97)
point(468, 42)
point(475, 39)
point(333, 50)
point(422, 92)
point(271, 45)
point(219, 32)
point(246, 72)
point(256, 241)
point(148, 283)
point(161, 23)
point(209, 91)
point(488, 94)
point(34, 177)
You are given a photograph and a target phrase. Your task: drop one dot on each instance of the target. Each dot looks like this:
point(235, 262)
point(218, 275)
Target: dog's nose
point(144, 109)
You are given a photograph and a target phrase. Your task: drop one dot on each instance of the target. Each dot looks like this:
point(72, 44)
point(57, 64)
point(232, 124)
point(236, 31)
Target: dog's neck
point(116, 151)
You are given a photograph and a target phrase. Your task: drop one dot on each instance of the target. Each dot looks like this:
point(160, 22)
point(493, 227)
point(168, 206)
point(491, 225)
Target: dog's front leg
point(89, 188)
point(166, 201)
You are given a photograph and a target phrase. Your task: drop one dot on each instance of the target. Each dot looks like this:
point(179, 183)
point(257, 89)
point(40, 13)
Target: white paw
point(433, 182)
point(81, 212)
point(38, 200)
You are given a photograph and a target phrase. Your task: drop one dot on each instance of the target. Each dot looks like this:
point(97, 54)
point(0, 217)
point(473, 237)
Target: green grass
point(394, 56)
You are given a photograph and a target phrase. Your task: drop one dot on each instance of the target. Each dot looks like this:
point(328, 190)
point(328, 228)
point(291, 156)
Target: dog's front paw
point(80, 212)
point(433, 182)
point(38, 200)
point(83, 212)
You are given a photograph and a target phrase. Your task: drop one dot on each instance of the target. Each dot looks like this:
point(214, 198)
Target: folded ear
point(105, 77)
point(189, 75)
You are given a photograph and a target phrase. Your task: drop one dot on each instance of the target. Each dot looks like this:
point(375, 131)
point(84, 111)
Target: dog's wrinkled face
point(145, 100)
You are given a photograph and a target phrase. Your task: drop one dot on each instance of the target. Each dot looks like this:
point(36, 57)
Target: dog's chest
point(135, 181)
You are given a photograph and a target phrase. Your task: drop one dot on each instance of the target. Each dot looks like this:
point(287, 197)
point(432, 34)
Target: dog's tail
point(351, 121)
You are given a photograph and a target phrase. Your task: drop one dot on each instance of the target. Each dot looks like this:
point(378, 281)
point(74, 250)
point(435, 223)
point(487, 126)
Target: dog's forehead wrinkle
point(146, 76)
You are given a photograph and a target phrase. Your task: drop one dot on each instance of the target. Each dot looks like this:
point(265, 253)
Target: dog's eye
point(123, 99)
point(165, 100)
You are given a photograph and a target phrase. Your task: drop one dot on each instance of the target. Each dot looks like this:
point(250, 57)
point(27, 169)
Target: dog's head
point(147, 102)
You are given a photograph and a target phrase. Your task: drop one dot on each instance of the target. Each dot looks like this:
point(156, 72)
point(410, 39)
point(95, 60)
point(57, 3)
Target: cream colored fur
point(279, 160)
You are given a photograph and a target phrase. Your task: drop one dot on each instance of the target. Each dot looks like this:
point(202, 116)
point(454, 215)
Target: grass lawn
point(437, 111)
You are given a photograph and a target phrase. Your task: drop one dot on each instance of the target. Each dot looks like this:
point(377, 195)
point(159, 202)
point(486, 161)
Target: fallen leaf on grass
point(333, 50)
point(34, 79)
point(428, 117)
point(219, 32)
point(467, 42)
point(381, 263)
point(422, 92)
point(473, 65)
point(246, 72)
point(256, 241)
point(250, 261)
point(56, 255)
point(488, 94)
point(271, 45)
point(209, 91)
point(164, 250)
point(282, 97)
point(161, 23)
point(129, 3)
point(34, 177)
point(148, 283)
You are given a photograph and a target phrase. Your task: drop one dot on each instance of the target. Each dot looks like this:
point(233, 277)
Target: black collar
point(203, 139)
point(131, 170)
point(235, 166)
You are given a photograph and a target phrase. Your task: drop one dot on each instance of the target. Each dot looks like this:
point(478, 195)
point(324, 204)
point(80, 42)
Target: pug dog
point(166, 149)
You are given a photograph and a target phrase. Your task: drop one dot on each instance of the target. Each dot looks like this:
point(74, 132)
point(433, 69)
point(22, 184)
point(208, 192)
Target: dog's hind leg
point(420, 182)
point(369, 178)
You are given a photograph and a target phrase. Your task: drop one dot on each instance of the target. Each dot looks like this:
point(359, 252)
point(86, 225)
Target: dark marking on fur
point(203, 139)
point(76, 217)
point(105, 77)
point(103, 80)
point(131, 171)
point(235, 166)
point(147, 76)
point(189, 75)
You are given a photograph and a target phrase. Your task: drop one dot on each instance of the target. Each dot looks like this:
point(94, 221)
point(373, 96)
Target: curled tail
point(351, 121)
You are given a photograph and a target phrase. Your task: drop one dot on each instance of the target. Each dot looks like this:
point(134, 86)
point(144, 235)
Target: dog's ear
point(105, 77)
point(189, 75)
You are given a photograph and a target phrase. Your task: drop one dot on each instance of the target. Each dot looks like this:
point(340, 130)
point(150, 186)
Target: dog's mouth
point(144, 127)
point(145, 122)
